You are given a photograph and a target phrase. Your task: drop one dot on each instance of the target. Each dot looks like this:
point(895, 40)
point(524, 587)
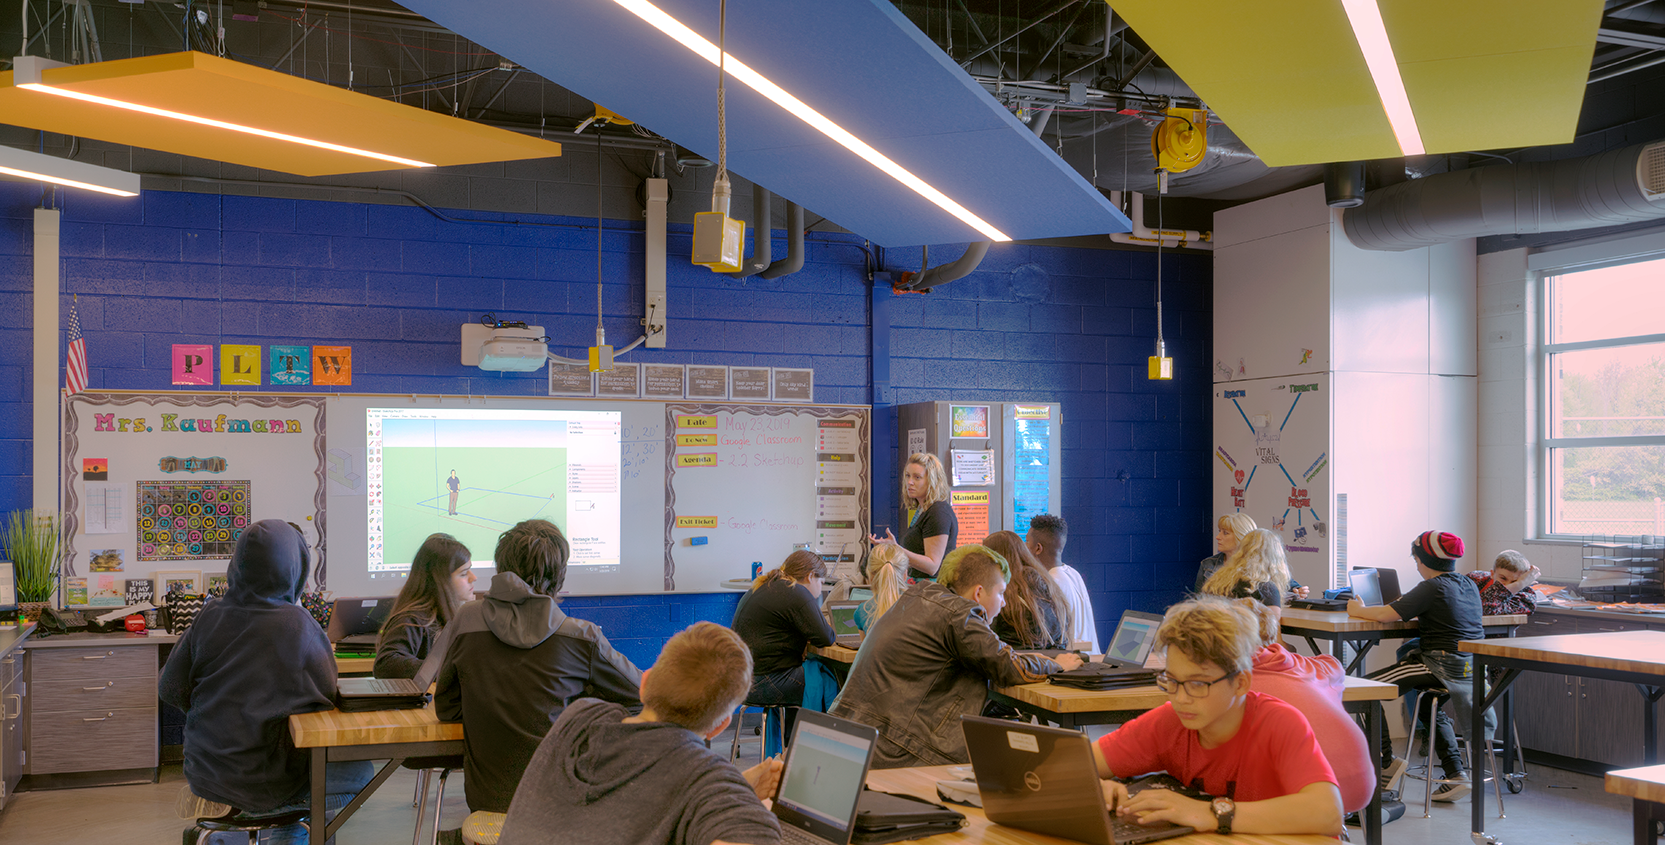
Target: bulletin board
point(167, 482)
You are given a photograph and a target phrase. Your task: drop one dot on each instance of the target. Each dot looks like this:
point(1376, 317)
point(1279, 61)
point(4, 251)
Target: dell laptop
point(842, 615)
point(353, 694)
point(1043, 780)
point(820, 785)
point(358, 622)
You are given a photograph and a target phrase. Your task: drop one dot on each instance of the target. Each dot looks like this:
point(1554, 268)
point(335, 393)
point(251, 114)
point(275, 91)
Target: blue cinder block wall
point(1036, 323)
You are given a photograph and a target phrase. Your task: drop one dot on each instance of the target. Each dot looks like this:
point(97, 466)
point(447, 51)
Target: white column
point(46, 362)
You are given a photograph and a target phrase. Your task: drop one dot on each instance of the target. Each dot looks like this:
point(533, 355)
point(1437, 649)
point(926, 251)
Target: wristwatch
point(1224, 809)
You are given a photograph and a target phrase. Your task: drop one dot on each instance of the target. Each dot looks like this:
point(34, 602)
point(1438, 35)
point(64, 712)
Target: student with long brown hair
point(441, 579)
point(779, 618)
point(1035, 616)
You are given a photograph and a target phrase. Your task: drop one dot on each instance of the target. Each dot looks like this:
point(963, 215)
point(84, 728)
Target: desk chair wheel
point(1514, 783)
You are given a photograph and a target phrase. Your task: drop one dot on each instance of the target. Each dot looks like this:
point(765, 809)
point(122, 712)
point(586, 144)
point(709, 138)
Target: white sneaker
point(1448, 792)
point(188, 805)
point(1392, 772)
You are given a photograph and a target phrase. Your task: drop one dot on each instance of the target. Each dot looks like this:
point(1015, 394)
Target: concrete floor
point(1556, 807)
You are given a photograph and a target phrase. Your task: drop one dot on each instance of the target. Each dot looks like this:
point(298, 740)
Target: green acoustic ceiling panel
point(1289, 78)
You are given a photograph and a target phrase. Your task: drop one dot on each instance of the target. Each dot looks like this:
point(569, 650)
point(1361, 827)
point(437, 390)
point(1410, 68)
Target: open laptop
point(354, 694)
point(1135, 637)
point(820, 785)
point(1043, 780)
point(842, 615)
point(861, 593)
point(358, 622)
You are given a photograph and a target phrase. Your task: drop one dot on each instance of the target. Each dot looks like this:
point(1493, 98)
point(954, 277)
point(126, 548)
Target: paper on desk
point(105, 510)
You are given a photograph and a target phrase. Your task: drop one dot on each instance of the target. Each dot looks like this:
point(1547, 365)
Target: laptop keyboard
point(797, 836)
point(380, 685)
point(1126, 829)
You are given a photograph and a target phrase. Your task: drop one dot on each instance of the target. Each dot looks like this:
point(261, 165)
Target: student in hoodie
point(516, 661)
point(251, 660)
point(605, 777)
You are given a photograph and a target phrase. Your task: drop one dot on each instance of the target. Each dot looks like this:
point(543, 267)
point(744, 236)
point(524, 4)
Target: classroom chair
point(236, 822)
point(482, 828)
point(1435, 696)
point(426, 766)
point(773, 714)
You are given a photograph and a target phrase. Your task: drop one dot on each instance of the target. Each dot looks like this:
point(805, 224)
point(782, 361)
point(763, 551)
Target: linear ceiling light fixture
point(1366, 19)
point(62, 171)
point(27, 75)
point(658, 19)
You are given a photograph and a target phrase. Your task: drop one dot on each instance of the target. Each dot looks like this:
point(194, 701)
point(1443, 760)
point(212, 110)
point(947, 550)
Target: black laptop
point(1043, 780)
point(821, 782)
point(356, 694)
point(355, 624)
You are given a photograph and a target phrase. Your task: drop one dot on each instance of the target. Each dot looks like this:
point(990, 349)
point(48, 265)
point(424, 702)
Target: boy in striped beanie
point(1447, 610)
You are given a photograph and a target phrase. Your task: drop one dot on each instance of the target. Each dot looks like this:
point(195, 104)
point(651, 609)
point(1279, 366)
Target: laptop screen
point(844, 619)
point(860, 594)
point(1367, 586)
point(824, 773)
point(1134, 638)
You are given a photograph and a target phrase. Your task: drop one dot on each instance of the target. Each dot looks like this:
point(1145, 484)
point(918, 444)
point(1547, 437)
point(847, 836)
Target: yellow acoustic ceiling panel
point(1288, 76)
point(183, 103)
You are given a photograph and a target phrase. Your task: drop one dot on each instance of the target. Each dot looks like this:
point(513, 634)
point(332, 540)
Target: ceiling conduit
point(794, 260)
point(1606, 189)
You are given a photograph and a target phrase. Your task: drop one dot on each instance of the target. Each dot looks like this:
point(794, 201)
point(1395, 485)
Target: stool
point(426, 766)
point(775, 713)
point(236, 822)
point(1433, 696)
point(482, 828)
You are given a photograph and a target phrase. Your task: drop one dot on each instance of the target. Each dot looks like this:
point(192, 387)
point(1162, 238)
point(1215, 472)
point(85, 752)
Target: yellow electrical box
point(1161, 368)
point(1180, 140)
point(718, 241)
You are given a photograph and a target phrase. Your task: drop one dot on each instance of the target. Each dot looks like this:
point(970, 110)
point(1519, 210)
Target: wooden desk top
point(836, 653)
point(354, 665)
point(1622, 651)
point(922, 783)
point(1057, 699)
point(1646, 783)
point(1338, 622)
point(331, 728)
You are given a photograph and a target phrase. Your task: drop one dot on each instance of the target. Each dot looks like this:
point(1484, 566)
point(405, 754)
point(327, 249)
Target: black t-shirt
point(934, 520)
point(777, 620)
point(1446, 608)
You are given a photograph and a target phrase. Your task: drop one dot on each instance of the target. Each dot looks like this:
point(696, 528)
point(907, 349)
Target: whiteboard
point(166, 482)
point(1272, 461)
point(776, 484)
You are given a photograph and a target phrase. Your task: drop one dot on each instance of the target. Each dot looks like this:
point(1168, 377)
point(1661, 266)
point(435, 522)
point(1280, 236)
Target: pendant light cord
point(598, 329)
point(722, 105)
point(1159, 273)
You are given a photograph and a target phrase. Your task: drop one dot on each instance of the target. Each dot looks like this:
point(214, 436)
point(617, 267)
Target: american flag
point(75, 374)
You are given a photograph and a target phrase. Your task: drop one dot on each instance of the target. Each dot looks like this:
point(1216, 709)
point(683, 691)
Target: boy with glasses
point(1255, 754)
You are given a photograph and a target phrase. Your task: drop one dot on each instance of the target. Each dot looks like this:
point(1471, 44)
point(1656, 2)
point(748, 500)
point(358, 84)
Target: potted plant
point(31, 543)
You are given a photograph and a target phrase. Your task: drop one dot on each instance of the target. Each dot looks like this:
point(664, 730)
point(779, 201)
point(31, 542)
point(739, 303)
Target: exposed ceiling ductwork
point(1611, 188)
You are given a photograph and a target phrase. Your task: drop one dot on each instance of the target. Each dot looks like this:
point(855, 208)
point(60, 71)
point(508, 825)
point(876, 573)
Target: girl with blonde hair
point(886, 568)
point(1255, 569)
point(932, 527)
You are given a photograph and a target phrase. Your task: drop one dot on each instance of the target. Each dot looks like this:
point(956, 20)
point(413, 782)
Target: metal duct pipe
point(1606, 189)
point(763, 234)
point(794, 260)
point(942, 274)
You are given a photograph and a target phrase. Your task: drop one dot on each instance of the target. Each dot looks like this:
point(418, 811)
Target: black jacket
point(777, 620)
point(515, 662)
point(403, 645)
point(251, 658)
point(923, 664)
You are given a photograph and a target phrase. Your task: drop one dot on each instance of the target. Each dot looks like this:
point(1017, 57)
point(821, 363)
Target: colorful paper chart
point(191, 520)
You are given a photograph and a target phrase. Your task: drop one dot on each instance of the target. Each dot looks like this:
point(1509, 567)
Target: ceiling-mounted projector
point(504, 349)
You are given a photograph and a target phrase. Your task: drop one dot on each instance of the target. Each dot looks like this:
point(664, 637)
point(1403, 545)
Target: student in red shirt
point(1254, 753)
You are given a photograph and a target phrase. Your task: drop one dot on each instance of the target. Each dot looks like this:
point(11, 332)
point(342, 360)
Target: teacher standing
point(933, 530)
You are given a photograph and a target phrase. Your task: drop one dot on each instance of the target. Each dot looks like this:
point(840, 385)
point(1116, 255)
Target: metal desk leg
point(1650, 722)
point(1476, 753)
point(317, 832)
point(1372, 817)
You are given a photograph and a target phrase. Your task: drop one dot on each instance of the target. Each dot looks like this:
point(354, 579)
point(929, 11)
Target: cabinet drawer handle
point(99, 719)
point(97, 656)
point(107, 685)
point(15, 697)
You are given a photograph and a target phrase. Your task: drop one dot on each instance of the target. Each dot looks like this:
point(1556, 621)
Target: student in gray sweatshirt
point(602, 776)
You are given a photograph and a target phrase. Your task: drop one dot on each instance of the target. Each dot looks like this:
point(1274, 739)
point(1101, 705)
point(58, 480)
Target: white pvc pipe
point(1143, 235)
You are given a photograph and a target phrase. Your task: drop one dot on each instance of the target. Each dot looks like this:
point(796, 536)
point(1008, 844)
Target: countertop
point(82, 640)
point(1595, 612)
point(12, 635)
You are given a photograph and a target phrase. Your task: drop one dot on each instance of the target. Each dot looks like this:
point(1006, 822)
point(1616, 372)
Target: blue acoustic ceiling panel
point(860, 63)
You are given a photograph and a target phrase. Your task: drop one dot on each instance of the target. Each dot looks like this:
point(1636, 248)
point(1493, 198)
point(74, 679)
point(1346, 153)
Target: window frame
point(1544, 443)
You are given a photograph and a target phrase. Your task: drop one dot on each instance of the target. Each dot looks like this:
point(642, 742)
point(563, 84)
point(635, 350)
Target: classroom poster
point(1271, 461)
point(239, 364)
point(193, 363)
point(332, 365)
point(291, 365)
point(968, 421)
point(972, 467)
point(971, 509)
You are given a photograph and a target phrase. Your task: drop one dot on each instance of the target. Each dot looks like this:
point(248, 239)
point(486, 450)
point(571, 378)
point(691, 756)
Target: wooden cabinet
point(12, 701)
point(92, 709)
point(1580, 718)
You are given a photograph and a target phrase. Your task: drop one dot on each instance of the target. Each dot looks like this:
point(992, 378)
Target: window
point(1604, 401)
